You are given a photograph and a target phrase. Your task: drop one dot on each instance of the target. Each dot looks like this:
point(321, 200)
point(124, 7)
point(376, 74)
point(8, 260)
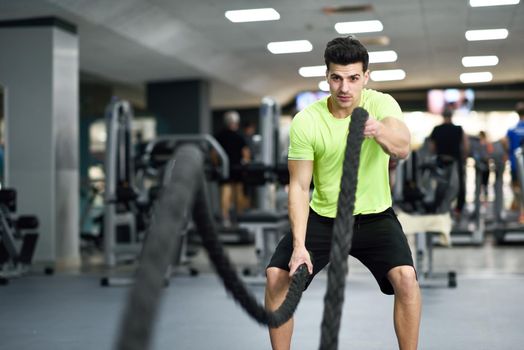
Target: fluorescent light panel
point(359, 27)
point(279, 47)
point(323, 85)
point(253, 15)
point(483, 3)
point(312, 71)
point(486, 34)
point(382, 56)
point(387, 75)
point(477, 77)
point(479, 61)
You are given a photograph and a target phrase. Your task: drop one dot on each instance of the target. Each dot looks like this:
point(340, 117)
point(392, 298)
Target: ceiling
point(136, 41)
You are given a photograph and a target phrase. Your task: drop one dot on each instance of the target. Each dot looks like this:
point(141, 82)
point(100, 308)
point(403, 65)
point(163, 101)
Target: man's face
point(345, 84)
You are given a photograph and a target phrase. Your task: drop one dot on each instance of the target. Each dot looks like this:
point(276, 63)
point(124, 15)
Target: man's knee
point(404, 280)
point(277, 280)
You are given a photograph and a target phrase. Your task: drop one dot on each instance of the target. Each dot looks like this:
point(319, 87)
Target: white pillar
point(39, 72)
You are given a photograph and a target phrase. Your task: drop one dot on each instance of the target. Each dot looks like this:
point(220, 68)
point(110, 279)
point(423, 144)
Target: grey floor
point(71, 311)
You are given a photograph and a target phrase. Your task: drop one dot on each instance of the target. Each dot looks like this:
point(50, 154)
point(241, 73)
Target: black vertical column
point(180, 107)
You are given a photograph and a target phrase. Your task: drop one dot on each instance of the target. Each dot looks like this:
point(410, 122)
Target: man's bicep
point(300, 172)
point(397, 125)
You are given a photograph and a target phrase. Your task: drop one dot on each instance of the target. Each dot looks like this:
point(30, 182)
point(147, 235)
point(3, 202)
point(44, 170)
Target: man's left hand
point(372, 128)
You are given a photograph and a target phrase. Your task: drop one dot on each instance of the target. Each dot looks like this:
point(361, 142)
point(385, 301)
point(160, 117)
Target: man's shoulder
point(319, 106)
point(436, 130)
point(374, 95)
point(519, 126)
point(380, 104)
point(312, 112)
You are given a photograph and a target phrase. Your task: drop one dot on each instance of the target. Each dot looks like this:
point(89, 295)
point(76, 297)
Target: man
point(317, 145)
point(238, 153)
point(448, 139)
point(513, 140)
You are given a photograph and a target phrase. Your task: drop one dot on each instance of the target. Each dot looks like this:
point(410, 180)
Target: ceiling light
point(479, 61)
point(478, 77)
point(359, 27)
point(374, 40)
point(253, 15)
point(323, 85)
point(293, 46)
point(312, 71)
point(486, 34)
point(483, 3)
point(382, 56)
point(387, 75)
point(329, 10)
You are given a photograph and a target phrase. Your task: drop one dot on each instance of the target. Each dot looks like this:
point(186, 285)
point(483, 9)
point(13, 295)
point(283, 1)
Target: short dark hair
point(519, 107)
point(345, 51)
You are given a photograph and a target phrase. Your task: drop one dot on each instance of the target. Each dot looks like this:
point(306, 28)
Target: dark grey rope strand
point(203, 220)
point(342, 233)
point(163, 240)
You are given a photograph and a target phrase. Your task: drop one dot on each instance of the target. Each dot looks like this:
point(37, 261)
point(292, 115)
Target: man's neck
point(339, 113)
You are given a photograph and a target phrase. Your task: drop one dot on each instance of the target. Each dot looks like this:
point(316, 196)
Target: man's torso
point(325, 137)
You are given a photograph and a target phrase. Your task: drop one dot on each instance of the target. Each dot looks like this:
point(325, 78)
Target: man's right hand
point(300, 256)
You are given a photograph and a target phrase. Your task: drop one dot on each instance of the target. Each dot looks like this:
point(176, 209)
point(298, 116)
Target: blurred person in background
point(237, 150)
point(513, 140)
point(450, 140)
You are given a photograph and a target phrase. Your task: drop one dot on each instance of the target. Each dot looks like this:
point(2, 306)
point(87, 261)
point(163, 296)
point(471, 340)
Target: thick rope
point(203, 220)
point(342, 233)
point(162, 241)
point(171, 214)
point(186, 186)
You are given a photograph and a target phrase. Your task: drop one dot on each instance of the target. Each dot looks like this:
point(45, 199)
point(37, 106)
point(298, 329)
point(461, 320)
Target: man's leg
point(276, 289)
point(407, 306)
point(461, 196)
point(226, 201)
point(240, 200)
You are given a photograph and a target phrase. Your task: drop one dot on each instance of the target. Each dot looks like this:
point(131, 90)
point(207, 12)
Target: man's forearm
point(298, 214)
point(394, 138)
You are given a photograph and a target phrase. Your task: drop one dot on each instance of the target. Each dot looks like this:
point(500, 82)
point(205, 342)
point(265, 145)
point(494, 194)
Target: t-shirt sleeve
point(433, 134)
point(300, 139)
point(387, 106)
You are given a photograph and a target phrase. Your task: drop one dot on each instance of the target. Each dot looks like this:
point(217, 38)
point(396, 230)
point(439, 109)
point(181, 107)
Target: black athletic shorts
point(515, 177)
point(378, 242)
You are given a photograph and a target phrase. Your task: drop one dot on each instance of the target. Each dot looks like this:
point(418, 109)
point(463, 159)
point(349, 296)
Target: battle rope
point(342, 234)
point(185, 189)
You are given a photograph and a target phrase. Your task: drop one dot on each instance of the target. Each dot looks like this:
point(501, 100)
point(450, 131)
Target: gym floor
point(71, 311)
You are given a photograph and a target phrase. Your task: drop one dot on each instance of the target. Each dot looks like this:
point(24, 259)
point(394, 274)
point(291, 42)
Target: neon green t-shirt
point(317, 135)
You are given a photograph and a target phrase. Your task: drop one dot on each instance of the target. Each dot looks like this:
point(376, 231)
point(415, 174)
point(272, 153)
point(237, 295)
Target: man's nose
point(344, 86)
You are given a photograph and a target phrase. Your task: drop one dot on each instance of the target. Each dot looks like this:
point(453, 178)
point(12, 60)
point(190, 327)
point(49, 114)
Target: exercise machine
point(124, 211)
point(266, 222)
point(18, 238)
point(424, 191)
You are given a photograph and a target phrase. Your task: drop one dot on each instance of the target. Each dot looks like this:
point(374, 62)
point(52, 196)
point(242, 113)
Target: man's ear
point(366, 77)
